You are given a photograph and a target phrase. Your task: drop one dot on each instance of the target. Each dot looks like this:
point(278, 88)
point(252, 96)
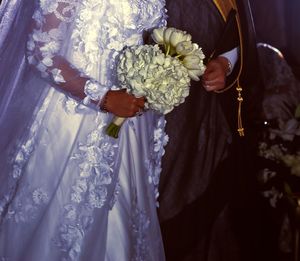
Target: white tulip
point(192, 62)
point(195, 74)
point(199, 53)
point(188, 37)
point(158, 35)
point(179, 36)
point(185, 48)
point(167, 34)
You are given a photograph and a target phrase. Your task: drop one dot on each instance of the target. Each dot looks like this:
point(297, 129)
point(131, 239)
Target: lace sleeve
point(50, 24)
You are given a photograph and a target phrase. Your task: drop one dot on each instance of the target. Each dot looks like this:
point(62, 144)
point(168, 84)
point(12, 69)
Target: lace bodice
point(70, 36)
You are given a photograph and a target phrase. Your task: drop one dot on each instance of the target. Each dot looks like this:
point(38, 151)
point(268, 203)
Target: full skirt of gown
point(68, 191)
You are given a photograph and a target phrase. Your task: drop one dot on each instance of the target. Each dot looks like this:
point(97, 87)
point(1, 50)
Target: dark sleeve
point(229, 39)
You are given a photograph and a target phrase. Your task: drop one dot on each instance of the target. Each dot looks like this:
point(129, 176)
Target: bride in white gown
point(67, 190)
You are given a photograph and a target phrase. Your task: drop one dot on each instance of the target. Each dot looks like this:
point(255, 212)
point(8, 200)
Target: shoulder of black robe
point(200, 130)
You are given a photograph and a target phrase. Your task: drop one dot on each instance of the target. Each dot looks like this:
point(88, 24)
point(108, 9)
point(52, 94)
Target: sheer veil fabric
point(67, 190)
point(15, 17)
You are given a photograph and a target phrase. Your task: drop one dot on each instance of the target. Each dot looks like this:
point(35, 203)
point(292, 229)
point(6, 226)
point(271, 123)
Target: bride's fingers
point(140, 102)
point(124, 104)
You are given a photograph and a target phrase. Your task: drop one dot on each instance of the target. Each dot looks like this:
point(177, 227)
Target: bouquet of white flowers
point(161, 75)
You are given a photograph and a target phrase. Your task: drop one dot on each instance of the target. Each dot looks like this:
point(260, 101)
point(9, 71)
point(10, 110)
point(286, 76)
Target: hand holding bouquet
point(161, 73)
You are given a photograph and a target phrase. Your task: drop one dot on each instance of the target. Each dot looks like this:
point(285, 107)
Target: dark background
point(277, 23)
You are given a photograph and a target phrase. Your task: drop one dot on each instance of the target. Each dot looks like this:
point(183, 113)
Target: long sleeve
point(51, 22)
point(232, 57)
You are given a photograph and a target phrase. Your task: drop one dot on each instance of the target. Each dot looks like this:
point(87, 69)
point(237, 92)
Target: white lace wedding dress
point(68, 191)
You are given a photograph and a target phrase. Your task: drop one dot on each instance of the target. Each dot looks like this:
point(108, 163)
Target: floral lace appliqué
point(149, 14)
point(22, 155)
point(140, 227)
point(153, 164)
point(91, 189)
point(26, 206)
point(47, 37)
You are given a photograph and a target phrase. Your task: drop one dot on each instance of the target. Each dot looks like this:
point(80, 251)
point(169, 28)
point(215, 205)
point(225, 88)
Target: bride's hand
point(122, 104)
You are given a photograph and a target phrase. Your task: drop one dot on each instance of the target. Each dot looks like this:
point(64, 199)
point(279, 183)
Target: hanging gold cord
point(223, 10)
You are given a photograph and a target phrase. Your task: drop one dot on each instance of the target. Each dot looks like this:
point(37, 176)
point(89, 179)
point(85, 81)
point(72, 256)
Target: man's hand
point(214, 77)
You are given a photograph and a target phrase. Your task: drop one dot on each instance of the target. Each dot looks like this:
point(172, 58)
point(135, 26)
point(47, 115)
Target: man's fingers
point(211, 76)
point(212, 82)
point(215, 82)
point(213, 85)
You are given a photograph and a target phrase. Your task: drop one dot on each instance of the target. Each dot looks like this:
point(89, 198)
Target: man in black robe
point(203, 160)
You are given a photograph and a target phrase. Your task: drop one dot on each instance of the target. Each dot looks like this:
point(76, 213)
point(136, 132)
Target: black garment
point(205, 179)
point(198, 130)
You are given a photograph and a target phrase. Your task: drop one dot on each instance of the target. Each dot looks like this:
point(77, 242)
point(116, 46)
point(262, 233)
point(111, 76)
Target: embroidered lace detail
point(46, 39)
point(153, 164)
point(91, 190)
point(22, 155)
point(115, 195)
point(85, 35)
point(140, 228)
point(27, 147)
point(64, 10)
point(26, 206)
point(46, 48)
point(141, 222)
point(149, 14)
point(93, 91)
point(42, 57)
point(103, 28)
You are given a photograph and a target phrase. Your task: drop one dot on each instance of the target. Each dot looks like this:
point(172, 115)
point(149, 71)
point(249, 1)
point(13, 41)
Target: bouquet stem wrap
point(114, 127)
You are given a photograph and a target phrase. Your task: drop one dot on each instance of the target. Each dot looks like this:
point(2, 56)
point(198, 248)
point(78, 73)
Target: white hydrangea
point(161, 73)
point(146, 71)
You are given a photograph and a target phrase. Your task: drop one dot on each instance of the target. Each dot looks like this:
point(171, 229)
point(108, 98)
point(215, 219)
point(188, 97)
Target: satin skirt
point(73, 193)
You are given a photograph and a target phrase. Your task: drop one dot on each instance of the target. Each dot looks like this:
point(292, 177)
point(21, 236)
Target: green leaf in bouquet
point(297, 113)
point(287, 189)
